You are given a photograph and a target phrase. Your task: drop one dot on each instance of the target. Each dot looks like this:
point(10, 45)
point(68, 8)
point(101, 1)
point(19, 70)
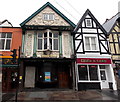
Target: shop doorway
point(103, 76)
point(29, 77)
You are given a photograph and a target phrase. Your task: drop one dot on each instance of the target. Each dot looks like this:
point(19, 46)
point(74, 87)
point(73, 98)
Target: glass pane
point(87, 43)
point(55, 35)
point(40, 44)
point(39, 34)
point(2, 41)
point(8, 44)
point(3, 35)
point(93, 43)
point(102, 74)
point(50, 34)
point(45, 43)
point(45, 34)
point(83, 73)
point(93, 72)
point(50, 41)
point(9, 35)
point(102, 67)
point(55, 44)
point(51, 16)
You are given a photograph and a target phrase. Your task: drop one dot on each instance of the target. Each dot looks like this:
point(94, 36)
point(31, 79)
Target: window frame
point(91, 48)
point(5, 43)
point(86, 22)
point(88, 73)
point(48, 41)
point(48, 16)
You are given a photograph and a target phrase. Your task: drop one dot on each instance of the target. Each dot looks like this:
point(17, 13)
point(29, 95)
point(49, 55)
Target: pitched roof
point(4, 21)
point(52, 7)
point(108, 25)
point(88, 12)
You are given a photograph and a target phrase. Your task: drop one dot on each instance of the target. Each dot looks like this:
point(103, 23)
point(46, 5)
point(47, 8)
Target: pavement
point(66, 95)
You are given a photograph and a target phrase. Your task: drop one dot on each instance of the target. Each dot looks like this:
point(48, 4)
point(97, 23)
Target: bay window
point(48, 40)
point(5, 41)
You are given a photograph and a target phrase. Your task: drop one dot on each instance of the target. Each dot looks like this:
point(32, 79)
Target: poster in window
point(47, 76)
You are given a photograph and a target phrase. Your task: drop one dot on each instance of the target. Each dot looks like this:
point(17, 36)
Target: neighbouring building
point(112, 26)
point(10, 38)
point(47, 59)
point(93, 60)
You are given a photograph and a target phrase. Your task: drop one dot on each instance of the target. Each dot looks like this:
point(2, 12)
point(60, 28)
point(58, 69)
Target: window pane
point(50, 34)
point(50, 42)
point(83, 73)
point(102, 66)
point(39, 34)
point(45, 34)
point(55, 44)
point(40, 44)
point(102, 74)
point(93, 43)
point(8, 44)
point(55, 35)
point(45, 43)
point(3, 35)
point(93, 72)
point(2, 41)
point(51, 16)
point(45, 16)
point(9, 35)
point(88, 22)
point(87, 43)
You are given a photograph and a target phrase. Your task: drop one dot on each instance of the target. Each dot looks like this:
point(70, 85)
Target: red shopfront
point(94, 73)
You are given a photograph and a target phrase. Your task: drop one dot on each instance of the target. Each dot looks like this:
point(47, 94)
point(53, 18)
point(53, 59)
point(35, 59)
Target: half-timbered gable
point(90, 37)
point(112, 27)
point(93, 60)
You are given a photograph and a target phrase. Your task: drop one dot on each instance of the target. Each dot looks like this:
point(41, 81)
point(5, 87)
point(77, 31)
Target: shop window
point(88, 72)
point(48, 40)
point(90, 43)
point(83, 72)
point(93, 72)
point(5, 41)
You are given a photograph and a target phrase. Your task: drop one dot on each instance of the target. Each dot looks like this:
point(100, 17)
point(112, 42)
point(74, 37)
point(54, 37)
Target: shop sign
point(7, 61)
point(47, 76)
point(94, 60)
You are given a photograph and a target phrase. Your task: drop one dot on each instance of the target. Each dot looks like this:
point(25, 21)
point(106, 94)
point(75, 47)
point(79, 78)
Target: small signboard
point(47, 76)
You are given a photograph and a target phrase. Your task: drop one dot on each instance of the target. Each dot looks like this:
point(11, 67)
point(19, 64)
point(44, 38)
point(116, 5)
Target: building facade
point(112, 26)
point(47, 59)
point(93, 60)
point(10, 38)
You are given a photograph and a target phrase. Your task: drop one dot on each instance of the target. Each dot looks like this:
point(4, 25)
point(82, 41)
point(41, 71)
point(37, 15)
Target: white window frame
point(48, 43)
point(48, 16)
point(90, 42)
point(6, 41)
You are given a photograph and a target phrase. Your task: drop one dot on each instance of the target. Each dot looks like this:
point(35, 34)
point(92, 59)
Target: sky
point(16, 11)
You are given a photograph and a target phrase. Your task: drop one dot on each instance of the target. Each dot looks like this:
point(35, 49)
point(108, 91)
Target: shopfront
point(95, 73)
point(44, 74)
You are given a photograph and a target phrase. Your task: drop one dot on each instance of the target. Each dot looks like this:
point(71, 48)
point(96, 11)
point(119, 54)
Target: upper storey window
point(48, 40)
point(88, 23)
point(90, 43)
point(5, 41)
point(48, 16)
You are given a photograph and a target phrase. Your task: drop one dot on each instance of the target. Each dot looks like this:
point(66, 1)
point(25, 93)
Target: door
point(30, 77)
point(103, 75)
point(63, 80)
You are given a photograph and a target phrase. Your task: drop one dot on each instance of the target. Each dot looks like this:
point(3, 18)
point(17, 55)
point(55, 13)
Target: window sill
point(4, 50)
